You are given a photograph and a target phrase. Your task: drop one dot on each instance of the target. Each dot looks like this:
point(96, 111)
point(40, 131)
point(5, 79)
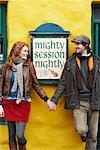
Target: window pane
point(99, 41)
point(0, 23)
point(1, 46)
point(96, 13)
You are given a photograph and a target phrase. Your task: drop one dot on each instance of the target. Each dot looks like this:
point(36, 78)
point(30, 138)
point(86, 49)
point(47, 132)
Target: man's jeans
point(86, 124)
point(16, 130)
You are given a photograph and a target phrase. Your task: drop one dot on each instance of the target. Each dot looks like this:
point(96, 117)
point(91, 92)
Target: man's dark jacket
point(68, 85)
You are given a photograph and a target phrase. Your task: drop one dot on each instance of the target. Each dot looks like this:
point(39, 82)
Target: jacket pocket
point(71, 102)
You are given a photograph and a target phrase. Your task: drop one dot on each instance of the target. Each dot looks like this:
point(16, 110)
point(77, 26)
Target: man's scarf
point(91, 71)
point(90, 62)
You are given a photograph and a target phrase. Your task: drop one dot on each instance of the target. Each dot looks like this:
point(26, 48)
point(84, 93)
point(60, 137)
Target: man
point(80, 81)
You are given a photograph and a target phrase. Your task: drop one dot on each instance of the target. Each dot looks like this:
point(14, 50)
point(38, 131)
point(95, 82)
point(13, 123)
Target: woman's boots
point(13, 146)
point(22, 147)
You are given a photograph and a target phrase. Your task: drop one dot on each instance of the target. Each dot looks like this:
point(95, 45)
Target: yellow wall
point(48, 130)
point(26, 15)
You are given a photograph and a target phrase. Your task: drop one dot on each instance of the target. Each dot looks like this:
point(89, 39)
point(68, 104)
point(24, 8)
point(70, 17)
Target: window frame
point(95, 23)
point(3, 29)
point(3, 38)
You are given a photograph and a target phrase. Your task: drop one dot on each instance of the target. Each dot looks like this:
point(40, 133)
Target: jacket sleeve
point(2, 78)
point(36, 85)
point(61, 86)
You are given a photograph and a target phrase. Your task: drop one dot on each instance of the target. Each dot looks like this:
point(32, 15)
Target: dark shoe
point(84, 138)
point(13, 146)
point(22, 147)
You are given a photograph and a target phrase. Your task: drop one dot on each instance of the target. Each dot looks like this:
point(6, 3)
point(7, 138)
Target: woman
point(18, 76)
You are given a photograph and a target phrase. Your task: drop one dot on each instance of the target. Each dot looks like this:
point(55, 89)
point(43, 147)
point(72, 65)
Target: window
point(96, 28)
point(3, 31)
point(3, 39)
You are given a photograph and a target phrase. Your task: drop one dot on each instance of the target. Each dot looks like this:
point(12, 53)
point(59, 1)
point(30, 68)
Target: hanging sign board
point(49, 52)
point(49, 56)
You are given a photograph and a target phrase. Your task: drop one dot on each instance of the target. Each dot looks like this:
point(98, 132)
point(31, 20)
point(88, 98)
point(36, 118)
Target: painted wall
point(47, 130)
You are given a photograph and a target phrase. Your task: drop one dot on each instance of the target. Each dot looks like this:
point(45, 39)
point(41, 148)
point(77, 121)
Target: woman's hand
point(51, 105)
point(1, 111)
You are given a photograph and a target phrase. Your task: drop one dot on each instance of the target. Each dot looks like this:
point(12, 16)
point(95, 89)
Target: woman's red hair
point(14, 53)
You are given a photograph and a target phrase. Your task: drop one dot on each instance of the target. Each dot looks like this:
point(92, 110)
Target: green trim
point(3, 31)
point(0, 21)
point(96, 21)
point(2, 122)
point(95, 29)
point(92, 33)
point(3, 38)
point(96, 39)
point(96, 6)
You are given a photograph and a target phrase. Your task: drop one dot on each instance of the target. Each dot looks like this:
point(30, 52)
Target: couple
point(80, 81)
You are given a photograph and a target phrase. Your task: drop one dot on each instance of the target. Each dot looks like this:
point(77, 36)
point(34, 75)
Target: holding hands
point(51, 105)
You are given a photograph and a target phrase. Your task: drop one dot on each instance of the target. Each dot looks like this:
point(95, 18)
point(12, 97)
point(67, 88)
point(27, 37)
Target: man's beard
point(79, 51)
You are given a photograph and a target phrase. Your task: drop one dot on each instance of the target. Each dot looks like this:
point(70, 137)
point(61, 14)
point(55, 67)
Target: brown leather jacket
point(30, 80)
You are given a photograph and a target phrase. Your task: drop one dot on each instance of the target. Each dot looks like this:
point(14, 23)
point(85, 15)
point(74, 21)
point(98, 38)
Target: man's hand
point(1, 111)
point(51, 105)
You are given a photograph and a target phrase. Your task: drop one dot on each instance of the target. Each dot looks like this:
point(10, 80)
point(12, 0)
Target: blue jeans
point(16, 130)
